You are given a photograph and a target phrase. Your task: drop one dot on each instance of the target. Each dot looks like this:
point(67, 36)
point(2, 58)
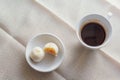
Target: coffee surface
point(93, 34)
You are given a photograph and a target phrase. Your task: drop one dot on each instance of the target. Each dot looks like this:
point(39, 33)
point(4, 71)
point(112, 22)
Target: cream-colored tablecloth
point(22, 19)
point(71, 12)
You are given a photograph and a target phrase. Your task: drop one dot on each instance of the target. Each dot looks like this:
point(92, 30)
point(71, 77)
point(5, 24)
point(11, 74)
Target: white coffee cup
point(104, 21)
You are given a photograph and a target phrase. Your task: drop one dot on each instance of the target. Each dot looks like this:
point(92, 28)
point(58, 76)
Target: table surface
point(71, 12)
point(22, 19)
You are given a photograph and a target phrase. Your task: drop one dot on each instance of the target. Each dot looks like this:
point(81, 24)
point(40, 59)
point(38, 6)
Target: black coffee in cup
point(93, 34)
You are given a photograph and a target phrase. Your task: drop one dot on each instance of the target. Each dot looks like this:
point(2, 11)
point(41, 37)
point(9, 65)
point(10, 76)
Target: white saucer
point(50, 62)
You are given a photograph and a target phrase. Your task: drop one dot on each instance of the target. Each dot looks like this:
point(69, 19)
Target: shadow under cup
point(97, 19)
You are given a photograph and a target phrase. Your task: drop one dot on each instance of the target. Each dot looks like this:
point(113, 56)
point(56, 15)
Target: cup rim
point(93, 47)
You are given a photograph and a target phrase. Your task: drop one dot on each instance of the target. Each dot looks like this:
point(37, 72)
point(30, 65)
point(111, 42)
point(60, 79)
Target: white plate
point(50, 62)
